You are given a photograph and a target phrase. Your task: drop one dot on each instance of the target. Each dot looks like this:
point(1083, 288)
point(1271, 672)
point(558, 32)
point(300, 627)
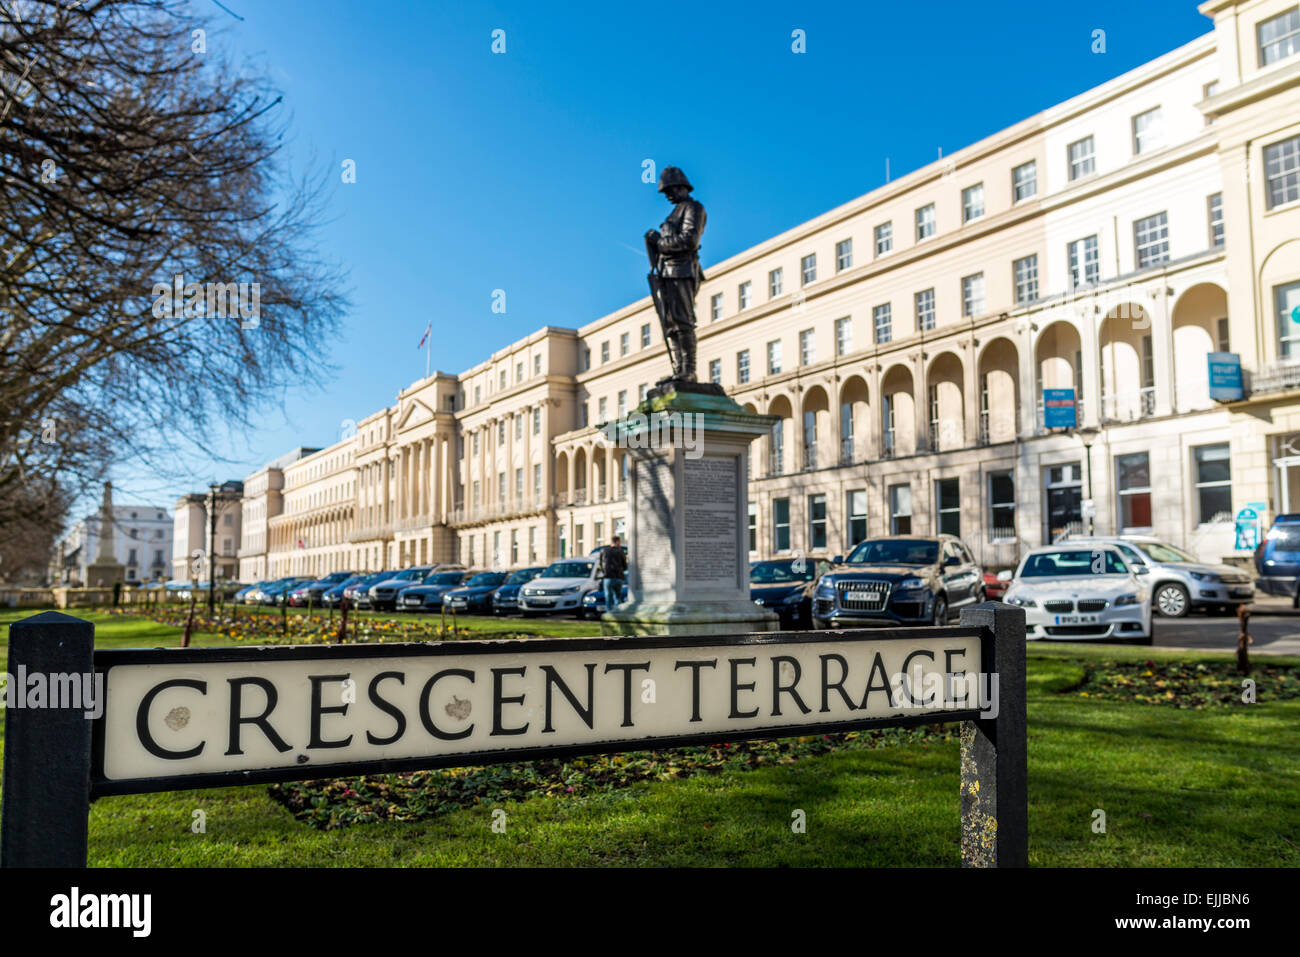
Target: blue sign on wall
point(1059, 409)
point(1225, 376)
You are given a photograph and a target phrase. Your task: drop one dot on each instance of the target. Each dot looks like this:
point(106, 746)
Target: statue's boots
point(687, 348)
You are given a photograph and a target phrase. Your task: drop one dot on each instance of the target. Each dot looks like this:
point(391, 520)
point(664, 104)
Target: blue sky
point(522, 171)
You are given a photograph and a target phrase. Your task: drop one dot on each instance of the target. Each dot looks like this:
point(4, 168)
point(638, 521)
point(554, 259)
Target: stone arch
point(898, 412)
point(999, 390)
point(946, 402)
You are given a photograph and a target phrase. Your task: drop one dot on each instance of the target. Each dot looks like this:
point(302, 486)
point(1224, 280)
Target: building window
point(753, 526)
point(1279, 36)
point(1002, 507)
point(882, 322)
point(817, 521)
point(742, 366)
point(622, 403)
point(774, 283)
point(586, 358)
point(1133, 479)
point(519, 425)
point(585, 415)
point(857, 511)
point(1213, 482)
point(1221, 334)
point(1286, 300)
point(947, 505)
point(808, 268)
point(900, 510)
point(624, 343)
point(601, 407)
point(781, 524)
point(579, 545)
point(537, 481)
point(716, 306)
point(1085, 266)
point(604, 352)
point(503, 379)
point(1151, 240)
point(1026, 276)
point(473, 443)
point(884, 238)
point(1214, 204)
point(806, 347)
point(776, 464)
point(645, 335)
point(1208, 90)
point(743, 295)
point(478, 394)
point(642, 391)
point(924, 310)
point(810, 440)
point(843, 255)
point(501, 433)
point(537, 363)
point(537, 421)
point(1081, 158)
point(1282, 171)
point(925, 222)
point(1148, 132)
point(972, 202)
point(1024, 181)
point(972, 295)
point(715, 371)
point(843, 336)
point(774, 357)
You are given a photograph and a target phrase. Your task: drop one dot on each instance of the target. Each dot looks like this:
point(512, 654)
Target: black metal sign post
point(179, 718)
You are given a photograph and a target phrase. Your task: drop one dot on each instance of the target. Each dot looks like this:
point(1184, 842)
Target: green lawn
point(1213, 787)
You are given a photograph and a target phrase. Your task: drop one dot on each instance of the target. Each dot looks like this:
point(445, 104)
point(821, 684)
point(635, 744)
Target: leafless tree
point(132, 153)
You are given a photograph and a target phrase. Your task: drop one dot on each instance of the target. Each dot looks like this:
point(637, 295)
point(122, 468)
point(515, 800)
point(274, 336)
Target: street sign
point(1225, 376)
point(1059, 409)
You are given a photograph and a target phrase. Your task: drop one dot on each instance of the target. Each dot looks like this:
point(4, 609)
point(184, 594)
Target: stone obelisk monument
point(105, 569)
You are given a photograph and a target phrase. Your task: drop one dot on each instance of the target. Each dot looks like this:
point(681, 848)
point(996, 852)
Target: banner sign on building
point(1059, 409)
point(1225, 376)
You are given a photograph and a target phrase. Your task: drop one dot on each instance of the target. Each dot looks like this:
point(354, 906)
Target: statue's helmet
point(672, 176)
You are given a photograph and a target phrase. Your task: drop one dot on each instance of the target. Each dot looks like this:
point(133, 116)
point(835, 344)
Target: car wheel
point(940, 616)
point(1171, 600)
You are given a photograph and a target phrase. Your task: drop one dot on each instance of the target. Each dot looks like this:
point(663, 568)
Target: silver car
point(1179, 581)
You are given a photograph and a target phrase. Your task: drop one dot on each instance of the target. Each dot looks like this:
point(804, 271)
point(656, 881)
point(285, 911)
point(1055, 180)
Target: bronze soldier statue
point(675, 273)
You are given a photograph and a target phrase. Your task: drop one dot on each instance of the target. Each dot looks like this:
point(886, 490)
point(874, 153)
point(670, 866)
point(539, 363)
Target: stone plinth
point(688, 508)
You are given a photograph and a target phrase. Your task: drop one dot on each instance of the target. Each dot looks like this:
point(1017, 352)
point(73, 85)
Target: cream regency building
point(906, 342)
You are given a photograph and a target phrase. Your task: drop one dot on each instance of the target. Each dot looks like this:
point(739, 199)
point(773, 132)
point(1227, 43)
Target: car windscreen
point(487, 578)
point(1083, 561)
point(782, 572)
point(895, 551)
point(1285, 537)
point(523, 575)
point(568, 570)
point(445, 578)
point(1160, 552)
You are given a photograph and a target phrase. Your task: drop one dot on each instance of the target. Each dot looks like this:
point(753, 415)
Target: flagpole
point(427, 351)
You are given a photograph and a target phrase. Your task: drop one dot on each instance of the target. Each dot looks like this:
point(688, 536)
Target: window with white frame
point(774, 357)
point(781, 524)
point(1024, 181)
point(900, 510)
point(624, 343)
point(645, 335)
point(857, 512)
point(1148, 132)
point(808, 268)
point(1151, 240)
point(622, 403)
point(1133, 480)
point(947, 505)
point(1002, 506)
point(642, 391)
point(1282, 172)
point(806, 356)
point(925, 222)
point(1214, 207)
point(537, 481)
point(1025, 272)
point(843, 336)
point(753, 526)
point(817, 521)
point(1278, 37)
point(972, 202)
point(1085, 266)
point(1082, 162)
point(715, 371)
point(774, 283)
point(1286, 301)
point(1208, 90)
point(742, 366)
point(843, 255)
point(716, 306)
point(1222, 338)
point(1213, 478)
point(924, 310)
point(882, 323)
point(601, 406)
point(884, 238)
point(537, 421)
point(743, 294)
point(972, 295)
point(604, 352)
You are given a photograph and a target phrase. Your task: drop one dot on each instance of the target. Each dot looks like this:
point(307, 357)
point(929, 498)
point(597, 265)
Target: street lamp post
point(1089, 436)
point(212, 549)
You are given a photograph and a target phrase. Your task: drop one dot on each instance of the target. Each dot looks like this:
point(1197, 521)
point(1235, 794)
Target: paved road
point(1276, 635)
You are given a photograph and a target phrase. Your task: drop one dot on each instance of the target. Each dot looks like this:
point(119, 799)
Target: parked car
point(242, 596)
point(506, 598)
point(785, 586)
point(278, 593)
point(358, 594)
point(1179, 581)
point(1277, 559)
point(475, 596)
point(902, 579)
point(312, 591)
point(593, 603)
point(559, 588)
point(995, 585)
point(1083, 592)
point(332, 597)
point(426, 594)
point(382, 595)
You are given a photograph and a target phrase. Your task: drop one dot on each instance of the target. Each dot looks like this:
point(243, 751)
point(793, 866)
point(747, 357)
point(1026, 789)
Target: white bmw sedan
point(1081, 593)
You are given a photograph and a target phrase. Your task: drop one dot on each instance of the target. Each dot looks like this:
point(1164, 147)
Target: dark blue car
point(593, 603)
point(785, 586)
point(475, 596)
point(506, 598)
point(427, 595)
point(1277, 559)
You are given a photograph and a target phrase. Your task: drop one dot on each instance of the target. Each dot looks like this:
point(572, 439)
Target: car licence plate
point(458, 603)
point(412, 599)
point(862, 594)
point(1244, 592)
point(1076, 619)
point(542, 601)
